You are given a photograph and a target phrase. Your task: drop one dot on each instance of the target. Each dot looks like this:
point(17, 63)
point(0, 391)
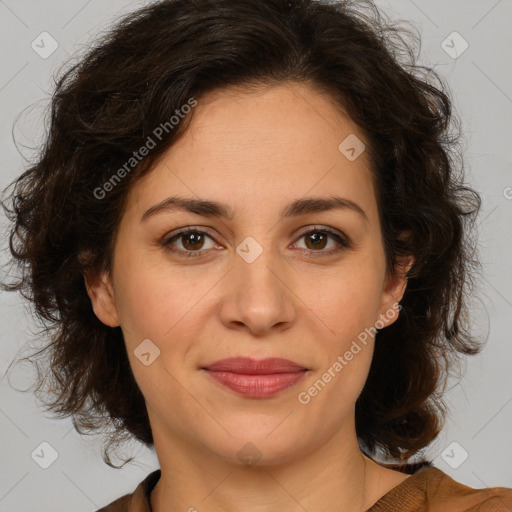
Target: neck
point(335, 476)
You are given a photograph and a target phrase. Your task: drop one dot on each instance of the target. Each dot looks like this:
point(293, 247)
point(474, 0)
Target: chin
point(260, 443)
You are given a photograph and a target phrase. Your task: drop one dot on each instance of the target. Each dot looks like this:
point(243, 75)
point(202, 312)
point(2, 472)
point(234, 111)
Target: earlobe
point(393, 292)
point(101, 294)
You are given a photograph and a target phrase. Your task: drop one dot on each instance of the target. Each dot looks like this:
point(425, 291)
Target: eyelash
point(342, 240)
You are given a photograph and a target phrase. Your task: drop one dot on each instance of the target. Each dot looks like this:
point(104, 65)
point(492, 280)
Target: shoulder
point(443, 490)
point(138, 500)
point(433, 490)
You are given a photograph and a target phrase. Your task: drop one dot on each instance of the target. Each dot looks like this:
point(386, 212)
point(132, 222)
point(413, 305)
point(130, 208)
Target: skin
point(256, 152)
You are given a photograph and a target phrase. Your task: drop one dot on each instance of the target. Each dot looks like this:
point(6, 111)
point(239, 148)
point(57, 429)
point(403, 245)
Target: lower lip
point(257, 386)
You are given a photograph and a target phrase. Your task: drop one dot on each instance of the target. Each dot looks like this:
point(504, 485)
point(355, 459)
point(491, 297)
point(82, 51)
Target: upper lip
point(249, 366)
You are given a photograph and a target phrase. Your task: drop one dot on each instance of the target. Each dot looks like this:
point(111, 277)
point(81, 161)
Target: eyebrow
point(296, 208)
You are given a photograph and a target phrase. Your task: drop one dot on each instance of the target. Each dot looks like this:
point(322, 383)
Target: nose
point(259, 296)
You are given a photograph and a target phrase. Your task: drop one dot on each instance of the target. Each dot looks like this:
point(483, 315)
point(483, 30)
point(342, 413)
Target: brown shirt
point(427, 490)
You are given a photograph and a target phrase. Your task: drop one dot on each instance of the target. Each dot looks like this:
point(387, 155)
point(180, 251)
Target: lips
point(250, 366)
point(256, 379)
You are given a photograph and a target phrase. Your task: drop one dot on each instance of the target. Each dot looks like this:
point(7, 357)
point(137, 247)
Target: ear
point(393, 291)
point(100, 291)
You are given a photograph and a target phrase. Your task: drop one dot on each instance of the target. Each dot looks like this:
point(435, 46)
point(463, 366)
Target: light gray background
point(481, 410)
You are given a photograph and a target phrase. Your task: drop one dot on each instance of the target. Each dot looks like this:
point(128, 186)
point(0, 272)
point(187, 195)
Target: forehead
point(278, 118)
point(262, 145)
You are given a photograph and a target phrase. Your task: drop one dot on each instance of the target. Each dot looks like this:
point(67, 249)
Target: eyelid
point(183, 231)
point(316, 227)
point(188, 229)
point(343, 239)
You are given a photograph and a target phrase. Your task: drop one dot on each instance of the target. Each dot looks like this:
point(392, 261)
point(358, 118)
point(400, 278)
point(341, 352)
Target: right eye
point(191, 239)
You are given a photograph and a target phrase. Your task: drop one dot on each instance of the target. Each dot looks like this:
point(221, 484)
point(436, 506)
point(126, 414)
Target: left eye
point(318, 239)
point(192, 241)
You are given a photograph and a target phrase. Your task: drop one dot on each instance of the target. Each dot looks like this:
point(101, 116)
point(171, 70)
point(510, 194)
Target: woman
point(251, 246)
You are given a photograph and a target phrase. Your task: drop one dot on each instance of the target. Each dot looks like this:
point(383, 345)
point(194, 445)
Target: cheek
point(142, 307)
point(149, 299)
point(349, 301)
point(349, 310)
point(162, 303)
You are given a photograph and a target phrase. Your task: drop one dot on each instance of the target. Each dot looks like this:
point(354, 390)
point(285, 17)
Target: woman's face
point(258, 284)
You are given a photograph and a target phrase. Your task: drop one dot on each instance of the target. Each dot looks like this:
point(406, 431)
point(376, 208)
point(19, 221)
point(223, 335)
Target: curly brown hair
point(133, 79)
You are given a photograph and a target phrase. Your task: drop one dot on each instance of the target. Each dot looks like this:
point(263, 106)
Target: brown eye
point(317, 240)
point(190, 242)
point(193, 240)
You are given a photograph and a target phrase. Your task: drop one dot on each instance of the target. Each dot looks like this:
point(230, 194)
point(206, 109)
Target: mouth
point(256, 378)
